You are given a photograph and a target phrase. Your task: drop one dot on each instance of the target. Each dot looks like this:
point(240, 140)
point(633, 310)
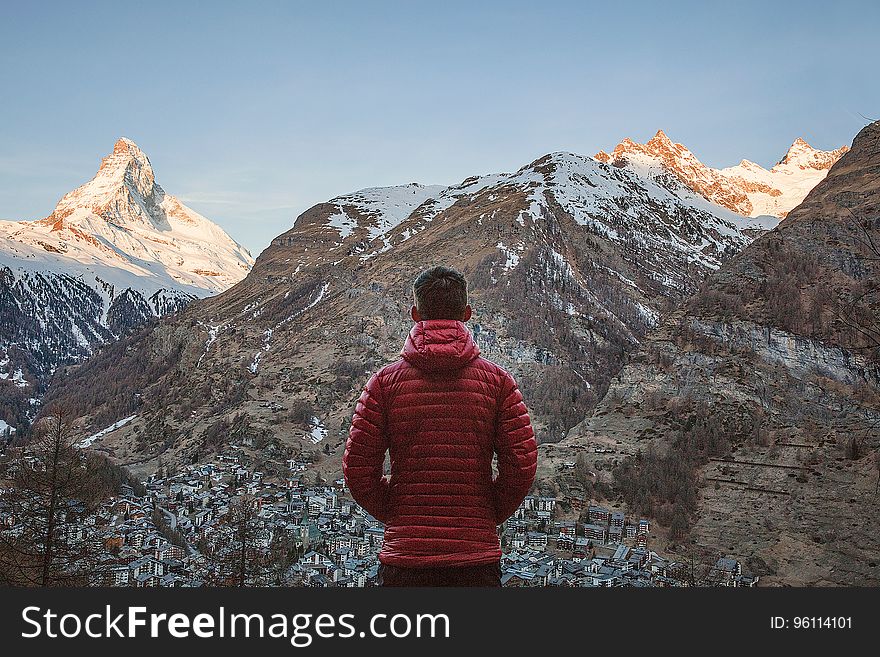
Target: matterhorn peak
point(125, 144)
point(127, 148)
point(125, 151)
point(124, 190)
point(123, 219)
point(128, 163)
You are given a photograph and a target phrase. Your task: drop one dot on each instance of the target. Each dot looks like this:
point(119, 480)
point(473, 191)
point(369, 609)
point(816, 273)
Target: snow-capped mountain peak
point(747, 188)
point(803, 156)
point(130, 163)
point(122, 226)
point(121, 190)
point(660, 148)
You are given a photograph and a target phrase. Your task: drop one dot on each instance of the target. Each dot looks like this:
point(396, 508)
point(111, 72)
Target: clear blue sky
point(252, 112)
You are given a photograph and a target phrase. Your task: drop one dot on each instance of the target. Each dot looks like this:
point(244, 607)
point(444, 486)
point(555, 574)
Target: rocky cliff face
point(767, 382)
point(115, 253)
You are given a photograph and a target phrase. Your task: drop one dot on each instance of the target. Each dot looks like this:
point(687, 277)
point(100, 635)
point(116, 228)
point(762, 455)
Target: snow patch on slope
point(386, 207)
point(319, 431)
point(91, 440)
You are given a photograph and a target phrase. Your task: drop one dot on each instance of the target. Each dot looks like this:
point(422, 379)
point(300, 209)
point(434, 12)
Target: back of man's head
point(441, 293)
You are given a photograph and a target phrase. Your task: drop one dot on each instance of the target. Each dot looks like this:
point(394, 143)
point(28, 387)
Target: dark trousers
point(483, 575)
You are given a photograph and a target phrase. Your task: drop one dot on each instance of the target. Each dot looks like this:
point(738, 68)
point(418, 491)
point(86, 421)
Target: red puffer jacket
point(442, 411)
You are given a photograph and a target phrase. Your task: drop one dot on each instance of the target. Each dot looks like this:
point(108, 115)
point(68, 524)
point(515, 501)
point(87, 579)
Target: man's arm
point(365, 450)
point(517, 452)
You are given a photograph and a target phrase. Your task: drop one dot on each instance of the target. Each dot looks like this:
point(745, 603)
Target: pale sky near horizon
point(253, 112)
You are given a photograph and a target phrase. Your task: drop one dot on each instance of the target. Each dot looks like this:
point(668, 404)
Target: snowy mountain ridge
point(747, 188)
point(617, 203)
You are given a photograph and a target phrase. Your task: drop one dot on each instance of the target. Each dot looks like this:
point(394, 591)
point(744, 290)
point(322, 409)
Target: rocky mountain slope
point(747, 188)
point(766, 386)
point(115, 253)
point(571, 261)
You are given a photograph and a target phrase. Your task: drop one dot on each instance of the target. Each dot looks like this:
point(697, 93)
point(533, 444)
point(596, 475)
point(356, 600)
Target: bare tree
point(282, 554)
point(853, 449)
point(50, 487)
point(582, 473)
point(239, 560)
point(862, 313)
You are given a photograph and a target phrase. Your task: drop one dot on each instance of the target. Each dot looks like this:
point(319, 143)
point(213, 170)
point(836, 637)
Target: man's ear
point(467, 313)
point(414, 313)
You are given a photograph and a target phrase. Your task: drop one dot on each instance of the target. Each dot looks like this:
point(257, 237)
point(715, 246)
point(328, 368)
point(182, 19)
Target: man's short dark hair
point(440, 293)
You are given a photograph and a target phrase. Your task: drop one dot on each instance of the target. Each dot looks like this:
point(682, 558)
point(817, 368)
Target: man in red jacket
point(443, 412)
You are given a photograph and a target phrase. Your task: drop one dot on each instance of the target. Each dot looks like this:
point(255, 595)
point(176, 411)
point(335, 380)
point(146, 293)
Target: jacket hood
point(439, 344)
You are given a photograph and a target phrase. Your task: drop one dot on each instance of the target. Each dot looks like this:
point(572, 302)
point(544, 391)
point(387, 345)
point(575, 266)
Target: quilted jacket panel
point(443, 412)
